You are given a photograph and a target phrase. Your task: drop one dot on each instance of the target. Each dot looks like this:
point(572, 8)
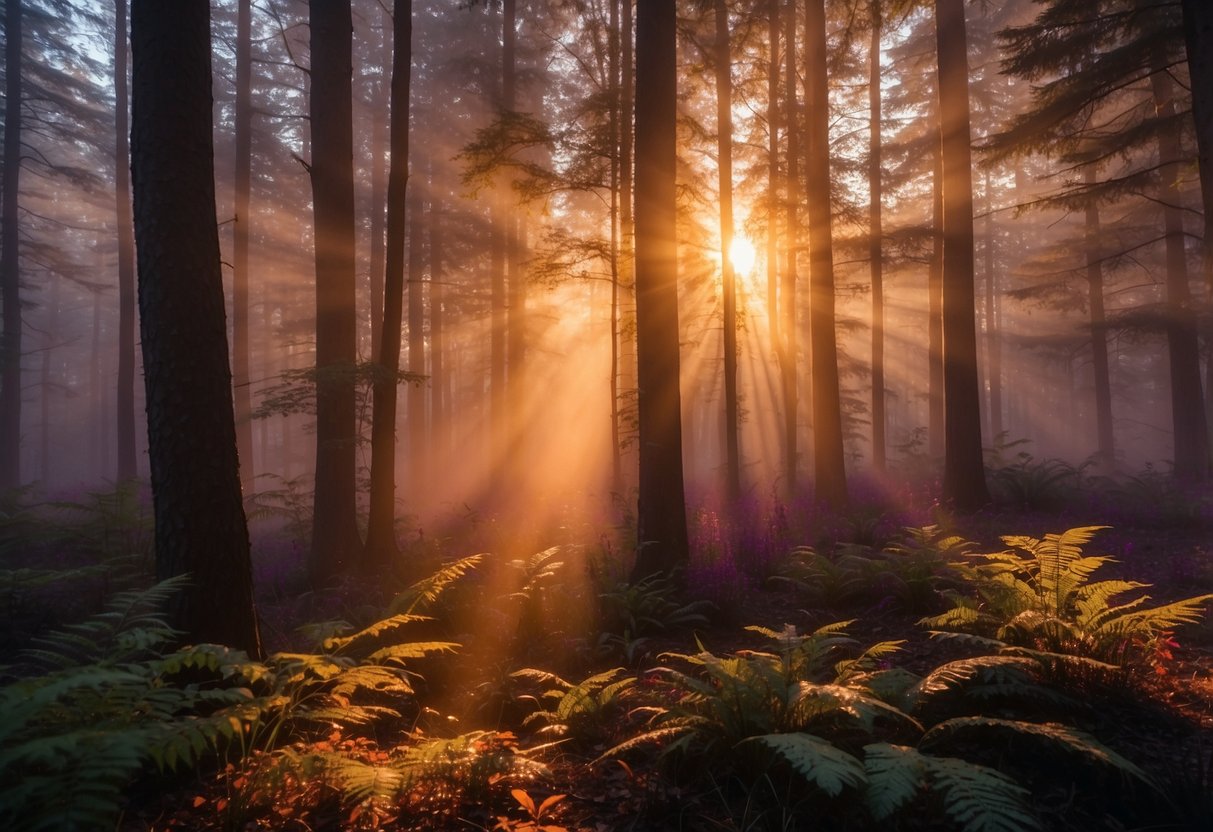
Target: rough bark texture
point(199, 516)
point(240, 244)
point(1191, 449)
point(724, 144)
point(127, 459)
point(381, 545)
point(829, 467)
point(875, 235)
point(10, 285)
point(335, 541)
point(661, 518)
point(964, 482)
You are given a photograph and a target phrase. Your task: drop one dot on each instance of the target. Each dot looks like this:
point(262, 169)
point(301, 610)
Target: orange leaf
point(524, 800)
point(549, 803)
point(198, 801)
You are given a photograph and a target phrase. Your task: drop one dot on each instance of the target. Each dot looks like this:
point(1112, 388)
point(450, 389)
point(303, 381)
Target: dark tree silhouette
point(661, 519)
point(964, 481)
point(381, 535)
point(127, 462)
point(199, 516)
point(240, 243)
point(724, 145)
point(335, 541)
point(875, 234)
point(10, 279)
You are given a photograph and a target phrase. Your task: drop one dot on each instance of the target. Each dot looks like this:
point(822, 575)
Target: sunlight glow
point(742, 255)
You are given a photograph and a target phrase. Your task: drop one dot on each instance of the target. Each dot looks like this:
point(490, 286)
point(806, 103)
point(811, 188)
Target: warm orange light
point(742, 255)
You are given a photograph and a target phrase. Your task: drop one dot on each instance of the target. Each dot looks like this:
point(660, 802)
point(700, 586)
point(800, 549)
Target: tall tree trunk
point(199, 516)
point(964, 481)
point(993, 339)
point(773, 72)
point(378, 164)
point(935, 426)
point(627, 270)
point(127, 459)
point(240, 244)
point(335, 542)
point(724, 145)
point(1106, 449)
point(418, 435)
point(875, 235)
point(96, 398)
point(381, 547)
point(661, 516)
point(439, 430)
point(46, 387)
point(613, 82)
point(787, 294)
point(1191, 450)
point(10, 280)
point(829, 467)
point(1198, 35)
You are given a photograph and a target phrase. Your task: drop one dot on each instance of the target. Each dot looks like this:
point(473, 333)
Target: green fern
point(581, 710)
point(1039, 594)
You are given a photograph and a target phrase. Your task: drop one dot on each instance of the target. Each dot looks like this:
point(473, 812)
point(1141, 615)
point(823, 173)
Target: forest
point(595, 415)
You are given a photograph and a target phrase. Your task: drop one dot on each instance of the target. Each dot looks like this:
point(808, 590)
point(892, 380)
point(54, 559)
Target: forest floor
point(1160, 718)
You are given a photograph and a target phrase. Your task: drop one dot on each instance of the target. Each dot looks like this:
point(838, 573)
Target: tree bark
point(773, 71)
point(661, 516)
point(378, 164)
point(417, 432)
point(1106, 449)
point(10, 269)
point(439, 385)
point(127, 459)
point(1191, 438)
point(199, 516)
point(829, 467)
point(335, 542)
point(381, 546)
point(964, 482)
point(728, 285)
point(935, 426)
point(875, 235)
point(787, 294)
point(240, 244)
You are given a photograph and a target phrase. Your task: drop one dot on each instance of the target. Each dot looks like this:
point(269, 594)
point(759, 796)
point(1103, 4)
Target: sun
point(742, 255)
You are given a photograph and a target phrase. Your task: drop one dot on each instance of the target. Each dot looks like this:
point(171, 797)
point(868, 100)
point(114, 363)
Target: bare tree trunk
point(47, 387)
point(724, 145)
point(964, 481)
point(875, 235)
point(335, 542)
point(935, 426)
point(829, 467)
point(439, 384)
point(613, 82)
point(381, 547)
point(627, 271)
point(993, 340)
point(1191, 450)
point(1099, 337)
point(661, 516)
point(127, 458)
point(418, 435)
point(199, 516)
point(378, 164)
point(240, 245)
point(10, 279)
point(787, 295)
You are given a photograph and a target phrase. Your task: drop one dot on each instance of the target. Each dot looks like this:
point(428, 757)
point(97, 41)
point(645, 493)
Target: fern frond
point(819, 761)
point(426, 591)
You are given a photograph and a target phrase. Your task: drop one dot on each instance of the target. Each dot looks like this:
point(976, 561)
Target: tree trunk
point(10, 280)
point(378, 163)
point(787, 295)
point(127, 459)
point(661, 515)
point(240, 244)
point(381, 547)
point(875, 235)
point(46, 387)
point(613, 81)
point(1099, 336)
point(627, 270)
point(964, 481)
point(335, 542)
point(935, 427)
point(773, 71)
point(199, 517)
point(993, 339)
point(829, 467)
point(1191, 450)
point(439, 386)
point(418, 435)
point(724, 145)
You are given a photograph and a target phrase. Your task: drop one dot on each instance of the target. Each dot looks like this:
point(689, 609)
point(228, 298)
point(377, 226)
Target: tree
point(875, 257)
point(724, 146)
point(127, 467)
point(964, 481)
point(199, 516)
point(381, 530)
point(240, 243)
point(661, 517)
point(787, 287)
point(829, 468)
point(10, 277)
point(335, 541)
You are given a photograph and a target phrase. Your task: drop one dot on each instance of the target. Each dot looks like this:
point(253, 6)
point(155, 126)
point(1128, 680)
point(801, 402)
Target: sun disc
point(742, 255)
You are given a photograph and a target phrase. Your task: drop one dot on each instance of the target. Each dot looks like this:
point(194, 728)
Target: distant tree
point(10, 277)
point(724, 148)
point(787, 285)
point(199, 516)
point(830, 477)
point(964, 481)
point(875, 239)
point(661, 517)
point(127, 467)
point(240, 243)
point(381, 544)
point(335, 540)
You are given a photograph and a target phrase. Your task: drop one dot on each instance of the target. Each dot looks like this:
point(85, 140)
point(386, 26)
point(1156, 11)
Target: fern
point(583, 709)
point(819, 761)
point(424, 593)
